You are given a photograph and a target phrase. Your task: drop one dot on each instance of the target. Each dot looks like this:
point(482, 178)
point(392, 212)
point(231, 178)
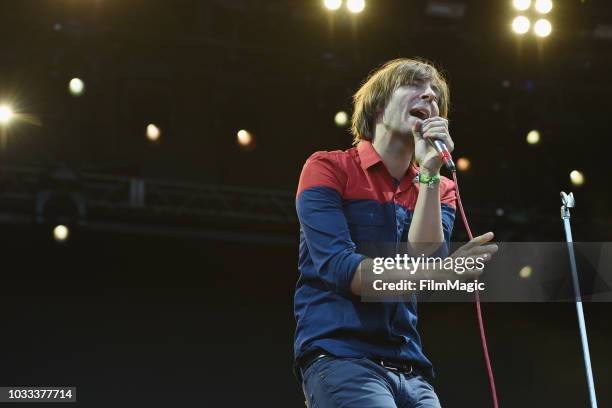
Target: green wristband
point(429, 180)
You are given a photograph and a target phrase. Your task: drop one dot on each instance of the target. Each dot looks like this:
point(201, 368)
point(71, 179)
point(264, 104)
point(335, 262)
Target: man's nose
point(428, 95)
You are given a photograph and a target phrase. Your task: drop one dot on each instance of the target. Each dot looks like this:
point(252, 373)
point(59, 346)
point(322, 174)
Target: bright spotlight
point(577, 178)
point(153, 132)
point(525, 271)
point(60, 233)
point(543, 6)
point(542, 27)
point(463, 164)
point(520, 25)
point(341, 118)
point(245, 138)
point(76, 86)
point(521, 5)
point(332, 4)
point(533, 137)
point(355, 6)
point(6, 114)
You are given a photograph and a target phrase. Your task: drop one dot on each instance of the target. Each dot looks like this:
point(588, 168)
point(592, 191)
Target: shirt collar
point(367, 154)
point(369, 157)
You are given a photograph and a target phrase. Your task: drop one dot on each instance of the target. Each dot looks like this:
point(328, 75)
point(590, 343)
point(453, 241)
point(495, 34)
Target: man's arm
point(426, 225)
point(323, 224)
point(426, 230)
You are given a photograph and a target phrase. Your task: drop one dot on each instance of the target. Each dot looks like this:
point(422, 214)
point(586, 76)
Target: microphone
point(441, 149)
point(444, 154)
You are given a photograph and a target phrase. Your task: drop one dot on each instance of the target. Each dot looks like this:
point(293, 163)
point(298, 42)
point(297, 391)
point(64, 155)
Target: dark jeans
point(361, 383)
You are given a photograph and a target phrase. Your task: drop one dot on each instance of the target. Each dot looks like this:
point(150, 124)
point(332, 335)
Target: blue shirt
point(345, 199)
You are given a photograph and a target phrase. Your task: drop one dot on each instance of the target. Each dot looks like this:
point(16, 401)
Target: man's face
point(410, 104)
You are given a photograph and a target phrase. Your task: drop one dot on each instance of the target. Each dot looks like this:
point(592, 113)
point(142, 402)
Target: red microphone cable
point(445, 156)
point(483, 338)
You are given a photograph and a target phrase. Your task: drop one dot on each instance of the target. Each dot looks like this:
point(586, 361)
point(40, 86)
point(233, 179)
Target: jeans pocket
point(312, 368)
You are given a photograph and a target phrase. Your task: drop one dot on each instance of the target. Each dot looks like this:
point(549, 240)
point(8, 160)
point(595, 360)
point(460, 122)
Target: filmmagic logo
point(428, 284)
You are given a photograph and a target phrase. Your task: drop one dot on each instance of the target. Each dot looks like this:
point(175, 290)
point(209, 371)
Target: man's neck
point(394, 149)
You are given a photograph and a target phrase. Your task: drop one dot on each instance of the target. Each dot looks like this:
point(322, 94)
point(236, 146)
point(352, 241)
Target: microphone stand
point(567, 201)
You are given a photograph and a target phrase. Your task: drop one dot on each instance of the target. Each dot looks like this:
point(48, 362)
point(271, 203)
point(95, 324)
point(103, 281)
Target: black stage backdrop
point(136, 320)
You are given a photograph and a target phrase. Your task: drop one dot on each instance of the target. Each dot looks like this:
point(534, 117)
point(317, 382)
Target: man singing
point(350, 353)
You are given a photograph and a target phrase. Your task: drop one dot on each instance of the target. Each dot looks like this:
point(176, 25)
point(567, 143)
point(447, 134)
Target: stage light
point(526, 272)
point(543, 6)
point(153, 132)
point(542, 27)
point(499, 212)
point(60, 233)
point(76, 86)
point(332, 4)
point(341, 118)
point(521, 5)
point(520, 24)
point(577, 178)
point(6, 114)
point(355, 6)
point(533, 137)
point(245, 138)
point(463, 164)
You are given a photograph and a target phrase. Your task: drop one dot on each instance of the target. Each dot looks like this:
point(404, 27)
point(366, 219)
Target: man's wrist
point(429, 172)
point(429, 181)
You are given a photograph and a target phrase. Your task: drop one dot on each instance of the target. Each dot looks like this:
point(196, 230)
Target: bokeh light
point(526, 272)
point(533, 137)
point(6, 114)
point(542, 28)
point(61, 233)
point(543, 6)
point(244, 138)
point(355, 6)
point(341, 119)
point(332, 4)
point(577, 177)
point(153, 132)
point(76, 86)
point(521, 4)
point(520, 24)
point(463, 164)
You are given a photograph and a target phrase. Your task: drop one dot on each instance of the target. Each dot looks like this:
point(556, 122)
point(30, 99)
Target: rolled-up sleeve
point(323, 224)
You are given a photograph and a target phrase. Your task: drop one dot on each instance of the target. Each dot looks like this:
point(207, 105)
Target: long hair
point(380, 85)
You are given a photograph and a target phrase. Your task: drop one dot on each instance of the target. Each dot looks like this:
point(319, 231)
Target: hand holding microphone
point(433, 144)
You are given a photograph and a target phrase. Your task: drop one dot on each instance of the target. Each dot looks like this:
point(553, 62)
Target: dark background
point(159, 309)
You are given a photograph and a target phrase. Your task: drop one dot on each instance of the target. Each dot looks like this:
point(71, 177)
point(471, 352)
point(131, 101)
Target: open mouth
point(420, 113)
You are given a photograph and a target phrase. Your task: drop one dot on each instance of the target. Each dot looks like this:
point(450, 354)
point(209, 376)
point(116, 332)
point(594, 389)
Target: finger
point(445, 138)
point(479, 240)
point(436, 119)
point(483, 250)
point(437, 135)
point(435, 130)
point(487, 257)
point(435, 126)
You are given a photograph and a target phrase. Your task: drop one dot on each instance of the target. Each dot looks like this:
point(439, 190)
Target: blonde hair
point(382, 82)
